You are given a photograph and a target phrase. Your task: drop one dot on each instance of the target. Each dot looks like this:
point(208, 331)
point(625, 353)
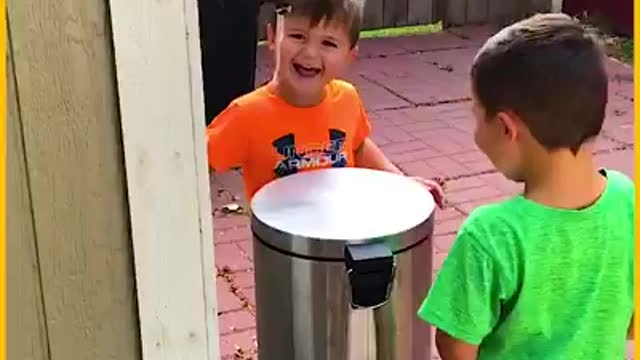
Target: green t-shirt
point(526, 281)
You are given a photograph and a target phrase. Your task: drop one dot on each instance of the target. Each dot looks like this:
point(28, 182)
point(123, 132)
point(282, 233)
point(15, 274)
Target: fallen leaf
point(232, 208)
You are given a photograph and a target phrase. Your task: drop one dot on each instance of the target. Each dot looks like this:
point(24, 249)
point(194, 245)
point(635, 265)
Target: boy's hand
point(435, 187)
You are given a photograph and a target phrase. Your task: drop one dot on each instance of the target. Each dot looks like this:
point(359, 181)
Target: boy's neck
point(292, 97)
point(563, 180)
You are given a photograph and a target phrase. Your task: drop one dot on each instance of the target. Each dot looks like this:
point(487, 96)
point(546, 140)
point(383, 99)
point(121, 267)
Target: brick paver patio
point(416, 91)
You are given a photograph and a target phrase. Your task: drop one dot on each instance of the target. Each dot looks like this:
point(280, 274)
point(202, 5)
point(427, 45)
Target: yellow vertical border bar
point(3, 182)
point(636, 165)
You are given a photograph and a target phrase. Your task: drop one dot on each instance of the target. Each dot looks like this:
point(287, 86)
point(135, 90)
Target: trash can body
point(303, 226)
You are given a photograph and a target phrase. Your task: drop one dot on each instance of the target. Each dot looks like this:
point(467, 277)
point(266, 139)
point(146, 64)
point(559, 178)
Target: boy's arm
point(227, 140)
point(451, 348)
point(464, 302)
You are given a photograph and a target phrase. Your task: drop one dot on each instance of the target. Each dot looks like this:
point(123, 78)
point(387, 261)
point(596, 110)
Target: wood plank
point(66, 87)
point(200, 168)
point(394, 13)
point(544, 6)
point(26, 335)
point(373, 14)
point(162, 111)
point(457, 12)
point(420, 12)
point(440, 9)
point(477, 11)
point(501, 12)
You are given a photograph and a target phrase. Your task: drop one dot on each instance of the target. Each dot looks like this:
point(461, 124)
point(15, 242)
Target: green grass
point(401, 31)
point(620, 48)
point(626, 50)
point(395, 31)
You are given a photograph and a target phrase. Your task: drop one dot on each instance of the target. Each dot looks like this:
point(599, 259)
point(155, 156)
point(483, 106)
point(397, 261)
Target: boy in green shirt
point(547, 274)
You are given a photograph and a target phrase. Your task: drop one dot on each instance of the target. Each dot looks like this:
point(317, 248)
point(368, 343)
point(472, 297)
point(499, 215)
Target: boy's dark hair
point(549, 70)
point(346, 12)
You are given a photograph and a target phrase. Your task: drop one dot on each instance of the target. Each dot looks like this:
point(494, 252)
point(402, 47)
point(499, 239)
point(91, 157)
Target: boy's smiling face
point(307, 58)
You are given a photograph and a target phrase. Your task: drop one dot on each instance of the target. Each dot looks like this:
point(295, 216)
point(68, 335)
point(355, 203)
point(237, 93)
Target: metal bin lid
point(317, 213)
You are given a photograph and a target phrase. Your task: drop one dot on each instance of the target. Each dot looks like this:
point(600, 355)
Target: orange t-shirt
point(268, 138)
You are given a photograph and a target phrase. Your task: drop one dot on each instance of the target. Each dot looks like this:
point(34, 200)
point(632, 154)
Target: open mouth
point(306, 71)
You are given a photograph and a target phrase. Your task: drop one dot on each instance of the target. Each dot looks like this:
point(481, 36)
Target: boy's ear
point(509, 122)
point(354, 53)
point(271, 36)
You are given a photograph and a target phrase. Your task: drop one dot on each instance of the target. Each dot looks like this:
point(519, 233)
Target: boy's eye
point(296, 36)
point(329, 43)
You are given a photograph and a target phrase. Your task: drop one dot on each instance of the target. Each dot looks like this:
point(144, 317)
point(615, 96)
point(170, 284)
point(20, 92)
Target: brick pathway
point(416, 91)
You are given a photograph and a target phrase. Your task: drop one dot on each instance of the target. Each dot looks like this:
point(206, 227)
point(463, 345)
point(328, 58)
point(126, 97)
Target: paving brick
point(477, 34)
point(445, 146)
point(447, 166)
point(403, 147)
point(231, 235)
point(246, 247)
point(419, 81)
point(230, 256)
point(425, 153)
point(376, 97)
point(244, 279)
point(245, 341)
point(447, 214)
point(226, 188)
point(399, 118)
point(377, 47)
point(442, 243)
point(420, 168)
point(468, 207)
point(622, 133)
point(431, 42)
point(236, 321)
point(501, 183)
point(473, 194)
point(449, 226)
point(250, 293)
point(618, 160)
point(463, 184)
point(603, 144)
point(225, 223)
point(469, 156)
point(423, 126)
point(619, 111)
point(379, 139)
point(480, 166)
point(462, 138)
point(394, 134)
point(438, 259)
point(227, 301)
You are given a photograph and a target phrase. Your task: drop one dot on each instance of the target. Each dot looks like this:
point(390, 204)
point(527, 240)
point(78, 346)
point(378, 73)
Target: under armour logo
point(331, 154)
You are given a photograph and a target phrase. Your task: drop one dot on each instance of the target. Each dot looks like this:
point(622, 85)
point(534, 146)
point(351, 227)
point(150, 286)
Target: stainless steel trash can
point(342, 263)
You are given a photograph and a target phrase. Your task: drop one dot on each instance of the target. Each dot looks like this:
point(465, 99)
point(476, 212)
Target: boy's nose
point(310, 50)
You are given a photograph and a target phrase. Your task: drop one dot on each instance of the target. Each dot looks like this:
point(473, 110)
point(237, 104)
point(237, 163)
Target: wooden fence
point(393, 13)
point(70, 275)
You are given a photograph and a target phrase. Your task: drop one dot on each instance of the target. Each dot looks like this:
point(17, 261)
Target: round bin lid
point(316, 213)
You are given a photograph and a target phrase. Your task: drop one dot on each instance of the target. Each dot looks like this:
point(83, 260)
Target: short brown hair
point(549, 70)
point(347, 12)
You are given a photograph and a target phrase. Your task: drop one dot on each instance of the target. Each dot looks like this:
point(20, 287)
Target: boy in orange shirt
point(304, 118)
